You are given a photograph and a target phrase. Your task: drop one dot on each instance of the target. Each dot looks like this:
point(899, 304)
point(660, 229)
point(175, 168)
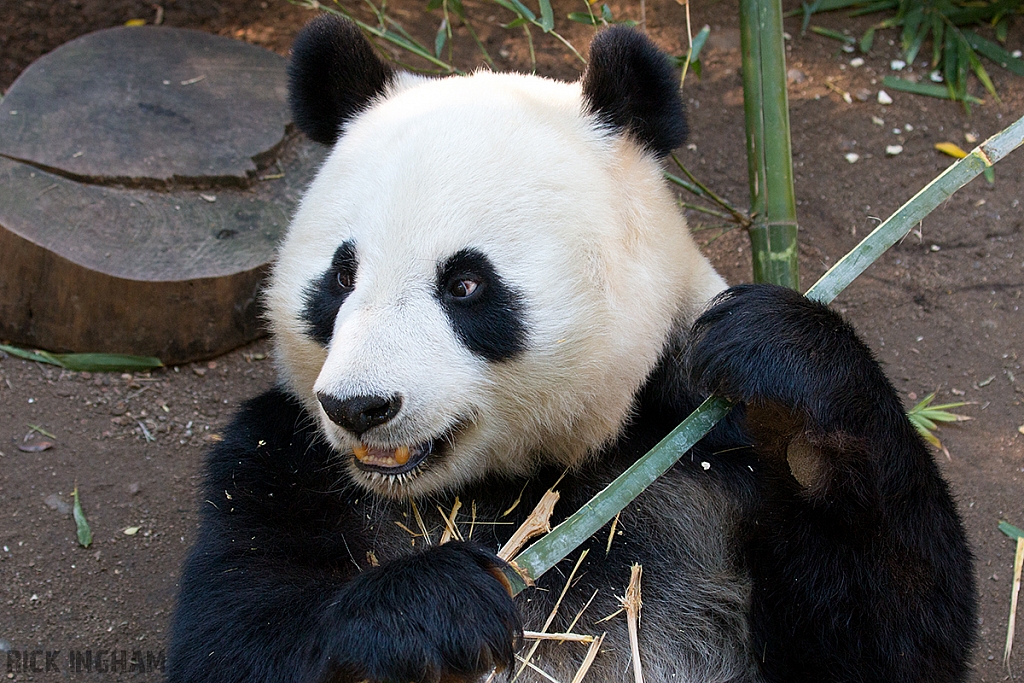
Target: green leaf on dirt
point(87, 362)
point(867, 40)
point(924, 417)
point(84, 532)
point(834, 35)
point(1010, 530)
point(929, 89)
point(995, 53)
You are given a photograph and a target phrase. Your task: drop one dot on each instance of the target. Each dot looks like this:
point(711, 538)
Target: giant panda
point(488, 291)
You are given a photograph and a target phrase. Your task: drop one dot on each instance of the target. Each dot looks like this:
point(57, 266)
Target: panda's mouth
point(392, 461)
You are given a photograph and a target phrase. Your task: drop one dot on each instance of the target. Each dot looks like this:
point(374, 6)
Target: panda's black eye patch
point(487, 314)
point(324, 296)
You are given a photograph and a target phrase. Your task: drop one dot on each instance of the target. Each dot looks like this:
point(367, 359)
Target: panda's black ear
point(334, 74)
point(630, 85)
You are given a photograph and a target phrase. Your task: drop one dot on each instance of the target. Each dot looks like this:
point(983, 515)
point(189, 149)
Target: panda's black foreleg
point(859, 563)
point(437, 615)
point(273, 592)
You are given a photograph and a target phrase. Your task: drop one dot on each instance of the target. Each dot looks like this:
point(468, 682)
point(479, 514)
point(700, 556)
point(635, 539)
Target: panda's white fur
point(576, 217)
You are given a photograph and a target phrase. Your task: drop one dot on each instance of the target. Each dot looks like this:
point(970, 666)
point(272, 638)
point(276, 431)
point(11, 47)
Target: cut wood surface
point(146, 227)
point(148, 104)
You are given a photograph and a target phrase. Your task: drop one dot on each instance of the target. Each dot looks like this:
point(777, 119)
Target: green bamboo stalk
point(581, 525)
point(585, 522)
point(773, 236)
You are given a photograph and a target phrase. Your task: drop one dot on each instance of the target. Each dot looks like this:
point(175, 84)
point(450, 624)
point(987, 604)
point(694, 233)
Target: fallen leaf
point(84, 532)
point(951, 149)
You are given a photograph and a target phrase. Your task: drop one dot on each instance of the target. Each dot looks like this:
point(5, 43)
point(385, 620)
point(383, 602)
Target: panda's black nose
point(360, 413)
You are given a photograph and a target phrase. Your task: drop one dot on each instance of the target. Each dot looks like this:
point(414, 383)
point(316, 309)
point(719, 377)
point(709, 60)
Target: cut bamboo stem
point(539, 522)
point(561, 637)
point(633, 604)
point(1018, 561)
point(595, 647)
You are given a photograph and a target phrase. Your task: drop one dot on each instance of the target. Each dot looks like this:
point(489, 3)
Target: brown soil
point(941, 311)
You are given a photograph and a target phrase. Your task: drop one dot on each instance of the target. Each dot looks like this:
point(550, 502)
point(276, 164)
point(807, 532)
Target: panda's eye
point(463, 287)
point(345, 280)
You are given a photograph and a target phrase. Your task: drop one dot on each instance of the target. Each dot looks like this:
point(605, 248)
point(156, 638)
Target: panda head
point(487, 267)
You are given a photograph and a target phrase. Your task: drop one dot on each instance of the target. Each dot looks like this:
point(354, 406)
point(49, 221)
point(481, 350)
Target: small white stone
point(971, 137)
point(787, 36)
point(852, 157)
point(896, 131)
point(1017, 54)
point(907, 127)
point(935, 76)
point(883, 97)
point(897, 65)
point(856, 62)
point(706, 465)
point(847, 98)
point(893, 150)
point(936, 247)
point(877, 121)
point(847, 48)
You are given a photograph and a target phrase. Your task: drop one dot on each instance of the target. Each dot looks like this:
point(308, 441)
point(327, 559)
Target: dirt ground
point(941, 310)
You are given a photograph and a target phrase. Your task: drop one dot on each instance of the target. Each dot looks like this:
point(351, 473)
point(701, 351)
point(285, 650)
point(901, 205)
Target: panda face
point(478, 280)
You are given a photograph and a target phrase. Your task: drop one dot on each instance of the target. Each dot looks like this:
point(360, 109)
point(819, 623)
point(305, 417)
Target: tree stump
point(147, 174)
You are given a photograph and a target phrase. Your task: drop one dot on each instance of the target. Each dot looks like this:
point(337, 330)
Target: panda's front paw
point(440, 615)
point(770, 346)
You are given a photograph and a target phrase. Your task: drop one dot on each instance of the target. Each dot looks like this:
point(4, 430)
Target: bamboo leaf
point(879, 6)
point(929, 89)
point(82, 529)
point(547, 16)
point(1002, 27)
point(823, 6)
point(834, 35)
point(441, 37)
point(105, 362)
point(28, 355)
point(583, 18)
point(1010, 530)
point(951, 149)
point(867, 40)
point(938, 32)
point(698, 44)
point(915, 45)
point(87, 362)
point(949, 63)
point(995, 53)
point(911, 21)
